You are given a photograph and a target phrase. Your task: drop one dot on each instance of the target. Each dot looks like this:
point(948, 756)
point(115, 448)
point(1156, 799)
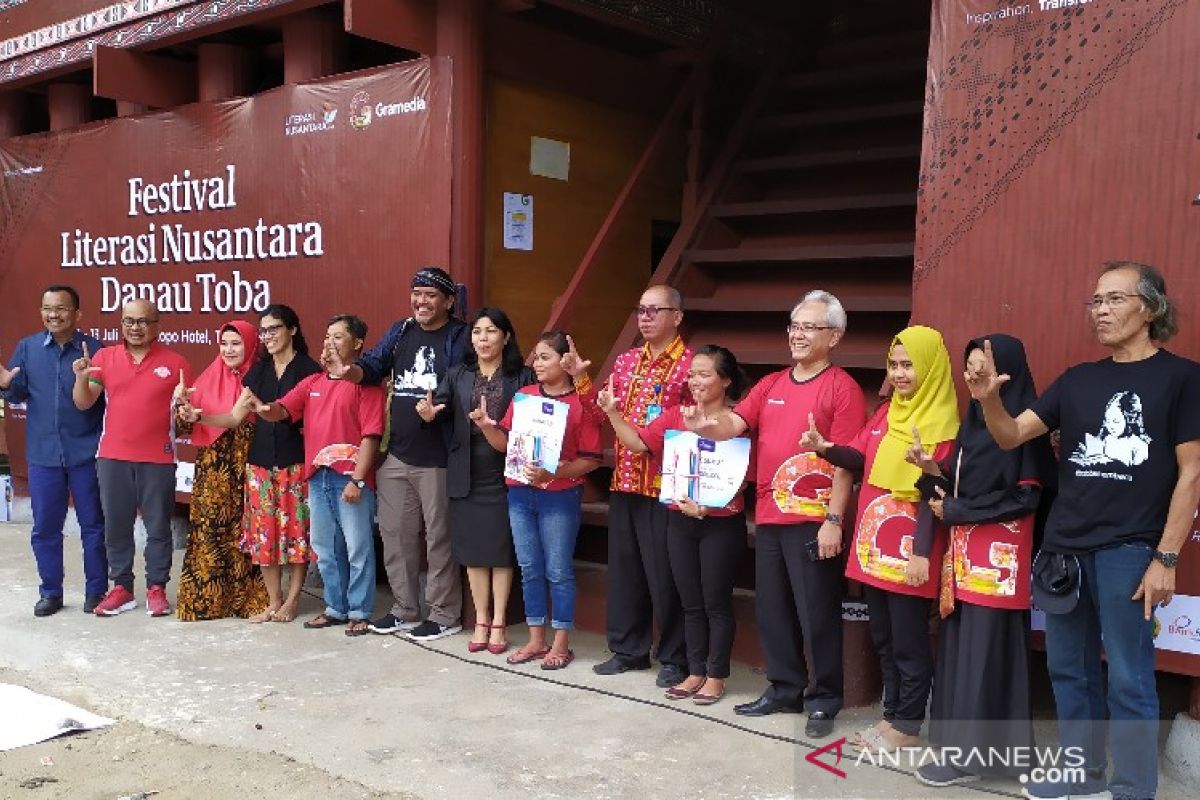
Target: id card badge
point(653, 412)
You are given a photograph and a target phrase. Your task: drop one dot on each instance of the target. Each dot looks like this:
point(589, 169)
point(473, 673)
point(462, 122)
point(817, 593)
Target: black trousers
point(900, 632)
point(799, 612)
point(705, 555)
point(641, 589)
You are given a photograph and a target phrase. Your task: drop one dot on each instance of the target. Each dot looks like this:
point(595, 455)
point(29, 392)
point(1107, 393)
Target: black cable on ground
point(658, 704)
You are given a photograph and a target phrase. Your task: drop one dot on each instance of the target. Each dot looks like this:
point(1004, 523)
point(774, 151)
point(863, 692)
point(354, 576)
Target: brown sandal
point(357, 627)
point(323, 621)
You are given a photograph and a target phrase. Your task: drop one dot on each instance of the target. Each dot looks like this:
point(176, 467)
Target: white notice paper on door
point(518, 221)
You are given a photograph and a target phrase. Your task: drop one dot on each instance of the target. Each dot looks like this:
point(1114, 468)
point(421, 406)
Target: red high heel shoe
point(475, 647)
point(498, 647)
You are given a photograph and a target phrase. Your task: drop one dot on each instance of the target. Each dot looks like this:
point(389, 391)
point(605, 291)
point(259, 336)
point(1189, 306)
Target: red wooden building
point(745, 151)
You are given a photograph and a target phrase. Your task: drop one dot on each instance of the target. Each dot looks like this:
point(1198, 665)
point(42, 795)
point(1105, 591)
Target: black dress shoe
point(765, 705)
point(616, 665)
point(819, 725)
point(670, 675)
point(47, 606)
point(90, 603)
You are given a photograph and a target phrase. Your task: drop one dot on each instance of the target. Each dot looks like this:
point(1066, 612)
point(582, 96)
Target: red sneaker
point(117, 601)
point(156, 601)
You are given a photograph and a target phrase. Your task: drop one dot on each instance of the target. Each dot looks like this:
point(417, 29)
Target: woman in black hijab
point(990, 499)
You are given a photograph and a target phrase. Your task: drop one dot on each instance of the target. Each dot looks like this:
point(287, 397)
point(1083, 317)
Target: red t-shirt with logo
point(654, 435)
point(138, 415)
point(886, 527)
point(581, 439)
point(337, 415)
point(793, 485)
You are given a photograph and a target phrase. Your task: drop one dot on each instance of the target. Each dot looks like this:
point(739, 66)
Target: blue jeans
point(48, 489)
point(544, 527)
point(342, 537)
point(1106, 612)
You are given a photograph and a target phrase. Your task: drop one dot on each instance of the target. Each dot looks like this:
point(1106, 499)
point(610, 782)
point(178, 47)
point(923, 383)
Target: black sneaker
point(390, 623)
point(429, 630)
point(90, 603)
point(47, 606)
point(943, 775)
point(616, 665)
point(670, 675)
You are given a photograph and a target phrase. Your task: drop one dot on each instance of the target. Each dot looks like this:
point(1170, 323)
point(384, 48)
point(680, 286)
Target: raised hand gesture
point(696, 421)
point(82, 367)
point(571, 363)
point(480, 415)
point(605, 398)
point(917, 456)
point(250, 403)
point(986, 383)
point(7, 375)
point(331, 360)
point(812, 439)
point(426, 408)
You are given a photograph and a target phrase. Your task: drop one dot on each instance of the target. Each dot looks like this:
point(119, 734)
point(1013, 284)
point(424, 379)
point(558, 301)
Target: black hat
point(1055, 582)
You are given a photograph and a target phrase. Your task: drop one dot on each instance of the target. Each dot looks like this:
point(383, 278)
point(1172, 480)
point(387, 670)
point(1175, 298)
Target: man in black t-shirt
point(1129, 484)
point(416, 352)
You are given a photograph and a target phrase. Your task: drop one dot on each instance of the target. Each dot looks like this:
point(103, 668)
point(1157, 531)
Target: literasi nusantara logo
point(307, 122)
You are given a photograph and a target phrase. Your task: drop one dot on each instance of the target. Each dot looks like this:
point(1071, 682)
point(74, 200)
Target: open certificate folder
point(711, 473)
point(538, 427)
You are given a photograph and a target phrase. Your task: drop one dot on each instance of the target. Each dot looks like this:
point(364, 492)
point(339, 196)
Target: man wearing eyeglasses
point(136, 456)
point(1128, 486)
point(798, 514)
point(646, 381)
point(60, 448)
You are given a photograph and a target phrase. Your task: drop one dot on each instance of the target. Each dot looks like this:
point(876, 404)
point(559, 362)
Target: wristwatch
point(836, 519)
point(1166, 559)
point(359, 482)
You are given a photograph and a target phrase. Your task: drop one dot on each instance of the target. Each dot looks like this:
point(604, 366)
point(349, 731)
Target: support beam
point(460, 26)
point(13, 110)
point(224, 71)
point(313, 45)
point(70, 105)
point(411, 24)
point(142, 78)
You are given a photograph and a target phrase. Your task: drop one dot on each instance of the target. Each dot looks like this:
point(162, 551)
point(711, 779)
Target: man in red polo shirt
point(136, 459)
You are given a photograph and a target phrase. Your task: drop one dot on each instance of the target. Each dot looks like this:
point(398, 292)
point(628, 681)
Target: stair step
point(824, 252)
point(779, 303)
point(836, 76)
point(766, 208)
point(839, 116)
point(832, 158)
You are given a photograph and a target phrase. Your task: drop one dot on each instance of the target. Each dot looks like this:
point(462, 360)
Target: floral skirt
point(275, 516)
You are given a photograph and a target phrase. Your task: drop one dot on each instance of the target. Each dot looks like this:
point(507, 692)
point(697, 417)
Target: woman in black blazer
point(480, 537)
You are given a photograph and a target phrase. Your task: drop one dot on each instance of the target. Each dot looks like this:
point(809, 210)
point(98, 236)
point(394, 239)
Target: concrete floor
point(432, 720)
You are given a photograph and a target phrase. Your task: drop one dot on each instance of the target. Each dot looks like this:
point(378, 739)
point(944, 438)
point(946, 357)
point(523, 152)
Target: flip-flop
point(357, 627)
point(557, 661)
point(871, 739)
point(323, 621)
point(524, 658)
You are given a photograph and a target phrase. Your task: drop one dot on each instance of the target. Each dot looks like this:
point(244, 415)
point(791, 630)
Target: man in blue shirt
point(60, 448)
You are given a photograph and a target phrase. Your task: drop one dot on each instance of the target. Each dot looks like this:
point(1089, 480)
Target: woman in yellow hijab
point(896, 536)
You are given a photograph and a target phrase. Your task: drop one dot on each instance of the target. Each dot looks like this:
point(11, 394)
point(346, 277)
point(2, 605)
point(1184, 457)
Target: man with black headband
point(416, 352)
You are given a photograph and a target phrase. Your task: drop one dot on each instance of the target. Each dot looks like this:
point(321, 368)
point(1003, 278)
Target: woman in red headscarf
point(218, 579)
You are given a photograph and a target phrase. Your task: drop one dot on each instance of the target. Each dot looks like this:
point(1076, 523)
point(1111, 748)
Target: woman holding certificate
point(550, 441)
point(897, 535)
point(705, 544)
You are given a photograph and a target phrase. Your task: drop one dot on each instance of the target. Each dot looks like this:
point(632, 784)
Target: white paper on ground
point(30, 717)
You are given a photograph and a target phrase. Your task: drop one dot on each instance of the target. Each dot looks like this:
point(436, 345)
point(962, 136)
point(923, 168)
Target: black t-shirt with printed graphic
point(419, 366)
point(1119, 423)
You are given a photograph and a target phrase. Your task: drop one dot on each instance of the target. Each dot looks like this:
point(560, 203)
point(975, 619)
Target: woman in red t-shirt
point(544, 507)
point(896, 535)
point(704, 545)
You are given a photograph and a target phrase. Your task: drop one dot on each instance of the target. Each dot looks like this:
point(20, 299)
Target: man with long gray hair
point(1129, 482)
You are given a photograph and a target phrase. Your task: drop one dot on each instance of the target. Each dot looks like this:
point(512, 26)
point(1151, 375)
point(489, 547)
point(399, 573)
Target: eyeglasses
point(807, 327)
point(1112, 300)
point(267, 331)
point(140, 322)
point(651, 312)
point(56, 311)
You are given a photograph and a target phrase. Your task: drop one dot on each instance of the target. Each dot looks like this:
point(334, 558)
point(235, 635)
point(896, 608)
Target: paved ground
point(379, 715)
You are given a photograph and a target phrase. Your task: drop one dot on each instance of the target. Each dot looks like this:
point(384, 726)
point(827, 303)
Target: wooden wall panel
point(605, 144)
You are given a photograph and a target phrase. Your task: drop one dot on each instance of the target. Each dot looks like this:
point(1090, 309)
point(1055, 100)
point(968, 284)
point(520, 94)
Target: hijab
point(932, 410)
point(985, 467)
point(218, 387)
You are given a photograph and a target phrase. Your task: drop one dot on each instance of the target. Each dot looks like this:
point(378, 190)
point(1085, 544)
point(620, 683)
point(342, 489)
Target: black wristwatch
point(836, 519)
point(359, 482)
point(1166, 559)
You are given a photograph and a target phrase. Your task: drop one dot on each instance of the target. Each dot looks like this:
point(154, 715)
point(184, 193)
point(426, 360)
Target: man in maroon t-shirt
point(798, 514)
point(136, 460)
